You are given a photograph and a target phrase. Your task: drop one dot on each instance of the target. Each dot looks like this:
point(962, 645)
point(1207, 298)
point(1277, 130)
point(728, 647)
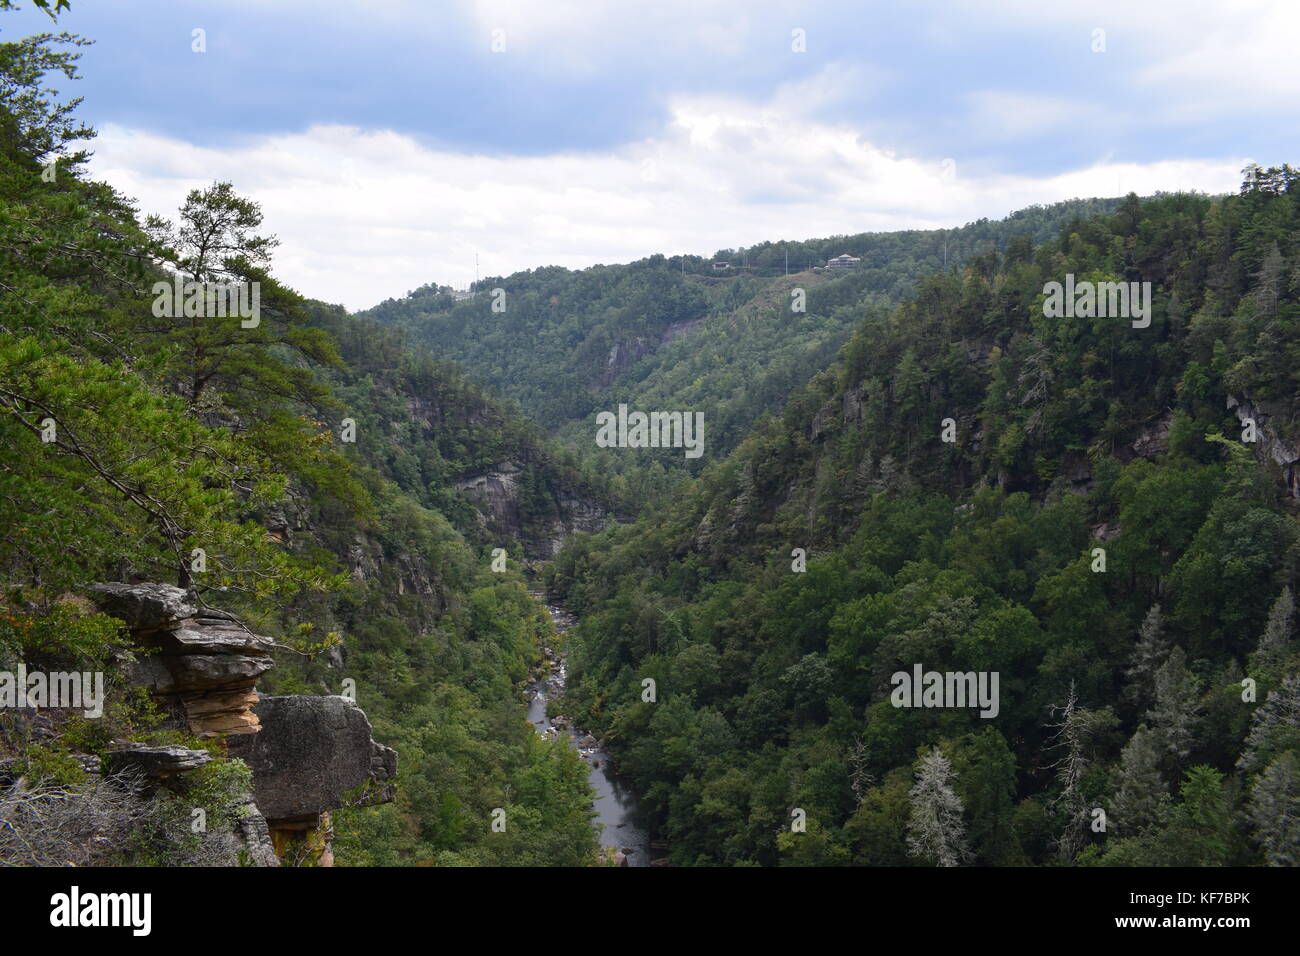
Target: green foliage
point(128, 439)
point(670, 334)
point(982, 555)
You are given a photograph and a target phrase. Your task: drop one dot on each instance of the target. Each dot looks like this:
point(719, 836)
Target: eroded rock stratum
point(309, 755)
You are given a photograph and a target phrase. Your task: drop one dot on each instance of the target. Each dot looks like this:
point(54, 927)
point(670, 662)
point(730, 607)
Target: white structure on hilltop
point(460, 295)
point(844, 261)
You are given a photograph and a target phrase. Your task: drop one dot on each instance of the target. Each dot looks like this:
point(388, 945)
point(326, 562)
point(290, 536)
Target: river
point(620, 821)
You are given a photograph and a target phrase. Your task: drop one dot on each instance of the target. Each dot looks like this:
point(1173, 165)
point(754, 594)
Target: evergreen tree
point(1275, 643)
point(215, 242)
point(1200, 826)
point(1149, 655)
point(1174, 713)
point(1141, 792)
point(1274, 809)
point(986, 774)
point(1274, 727)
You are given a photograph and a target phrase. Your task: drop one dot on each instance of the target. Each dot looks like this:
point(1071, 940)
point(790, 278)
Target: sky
point(391, 143)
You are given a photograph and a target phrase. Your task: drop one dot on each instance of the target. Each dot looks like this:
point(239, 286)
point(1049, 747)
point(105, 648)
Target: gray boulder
point(314, 754)
point(157, 763)
point(144, 607)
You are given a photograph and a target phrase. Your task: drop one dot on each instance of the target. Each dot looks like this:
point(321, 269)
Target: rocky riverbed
point(619, 817)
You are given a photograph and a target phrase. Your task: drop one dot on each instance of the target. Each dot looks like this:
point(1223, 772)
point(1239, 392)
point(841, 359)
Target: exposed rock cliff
point(1285, 454)
point(202, 664)
point(497, 494)
point(308, 755)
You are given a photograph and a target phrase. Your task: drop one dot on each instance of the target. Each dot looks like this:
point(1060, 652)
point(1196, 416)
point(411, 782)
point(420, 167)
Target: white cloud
point(364, 214)
point(1202, 57)
point(582, 38)
point(1010, 115)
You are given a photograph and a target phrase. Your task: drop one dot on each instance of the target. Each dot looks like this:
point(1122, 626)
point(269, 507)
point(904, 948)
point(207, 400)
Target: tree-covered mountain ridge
point(1110, 527)
point(457, 448)
point(673, 333)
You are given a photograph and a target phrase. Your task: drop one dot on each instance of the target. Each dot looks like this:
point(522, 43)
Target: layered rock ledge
point(205, 662)
point(308, 755)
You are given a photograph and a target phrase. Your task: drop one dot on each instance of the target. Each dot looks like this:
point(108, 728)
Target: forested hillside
point(1102, 514)
point(924, 468)
point(671, 334)
point(139, 443)
point(454, 448)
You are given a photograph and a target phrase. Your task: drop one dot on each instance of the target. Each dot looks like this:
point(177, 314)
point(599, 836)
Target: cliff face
point(1269, 445)
point(490, 472)
point(308, 755)
point(201, 664)
point(632, 348)
point(497, 494)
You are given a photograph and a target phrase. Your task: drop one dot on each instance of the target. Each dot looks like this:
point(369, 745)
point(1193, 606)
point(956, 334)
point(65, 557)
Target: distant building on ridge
point(844, 261)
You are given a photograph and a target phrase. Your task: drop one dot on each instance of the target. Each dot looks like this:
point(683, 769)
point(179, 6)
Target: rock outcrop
point(308, 755)
point(254, 836)
point(632, 348)
point(157, 763)
point(314, 754)
point(1284, 453)
point(496, 494)
point(202, 662)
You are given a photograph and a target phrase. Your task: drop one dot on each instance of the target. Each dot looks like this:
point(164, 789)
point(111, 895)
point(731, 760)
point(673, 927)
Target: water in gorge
point(619, 818)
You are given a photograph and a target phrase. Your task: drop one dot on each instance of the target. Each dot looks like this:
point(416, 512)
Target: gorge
point(621, 822)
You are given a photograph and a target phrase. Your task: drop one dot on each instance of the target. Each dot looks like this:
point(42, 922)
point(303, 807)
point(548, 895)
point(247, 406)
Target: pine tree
point(1270, 282)
point(1173, 716)
point(1274, 727)
point(1141, 792)
point(1274, 809)
point(215, 241)
point(987, 783)
point(1200, 827)
point(1275, 643)
point(935, 830)
point(1151, 651)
